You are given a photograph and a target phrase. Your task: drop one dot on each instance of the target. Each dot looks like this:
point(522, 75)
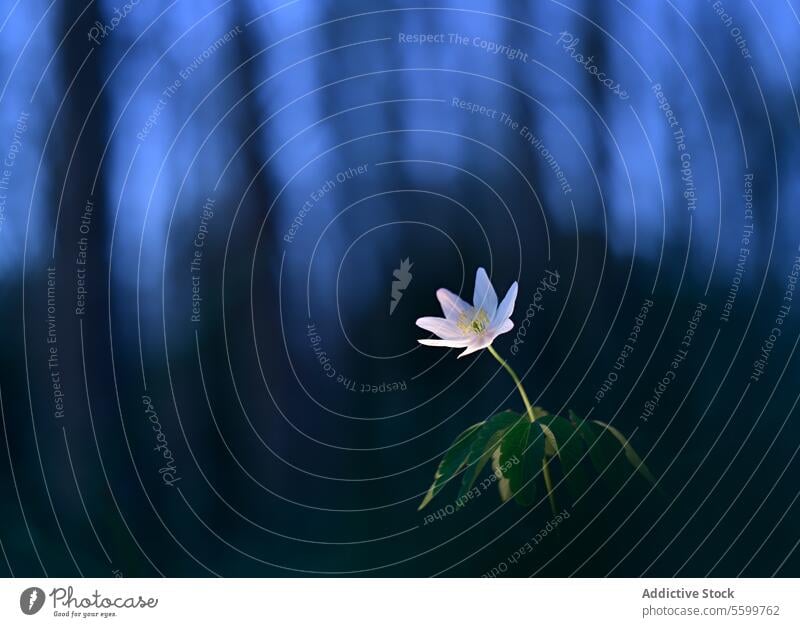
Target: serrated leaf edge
point(432, 492)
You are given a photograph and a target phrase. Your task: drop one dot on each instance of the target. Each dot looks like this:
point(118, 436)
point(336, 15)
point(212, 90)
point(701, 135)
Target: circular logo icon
point(31, 600)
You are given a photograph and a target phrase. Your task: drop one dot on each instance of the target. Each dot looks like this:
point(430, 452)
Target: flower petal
point(445, 329)
point(485, 297)
point(504, 327)
point(506, 307)
point(452, 305)
point(449, 343)
point(480, 342)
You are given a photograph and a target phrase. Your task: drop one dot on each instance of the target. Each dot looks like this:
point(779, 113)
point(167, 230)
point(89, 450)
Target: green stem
point(504, 363)
point(548, 481)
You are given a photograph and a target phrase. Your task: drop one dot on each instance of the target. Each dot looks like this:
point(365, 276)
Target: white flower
point(475, 326)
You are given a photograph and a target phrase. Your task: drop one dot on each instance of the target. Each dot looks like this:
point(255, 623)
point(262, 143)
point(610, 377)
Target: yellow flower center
point(473, 322)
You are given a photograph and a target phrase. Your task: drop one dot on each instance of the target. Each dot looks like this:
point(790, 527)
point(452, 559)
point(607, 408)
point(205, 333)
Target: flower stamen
point(474, 322)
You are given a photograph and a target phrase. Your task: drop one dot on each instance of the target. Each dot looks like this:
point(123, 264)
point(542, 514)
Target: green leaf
point(570, 449)
point(538, 412)
point(630, 453)
point(605, 453)
point(453, 460)
point(522, 450)
point(510, 457)
point(484, 444)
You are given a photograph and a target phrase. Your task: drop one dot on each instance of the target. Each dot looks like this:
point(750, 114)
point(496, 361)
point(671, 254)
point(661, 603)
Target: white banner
point(401, 602)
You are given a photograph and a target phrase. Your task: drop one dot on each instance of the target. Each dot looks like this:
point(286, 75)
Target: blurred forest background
point(284, 471)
